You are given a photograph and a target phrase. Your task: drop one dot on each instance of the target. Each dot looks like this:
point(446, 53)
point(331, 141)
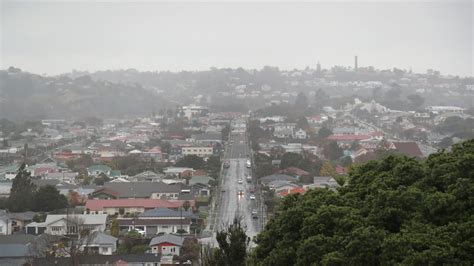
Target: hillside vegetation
point(25, 96)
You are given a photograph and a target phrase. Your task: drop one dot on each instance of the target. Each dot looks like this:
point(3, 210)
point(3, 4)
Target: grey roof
point(142, 189)
point(99, 259)
point(45, 182)
point(176, 240)
point(200, 179)
point(82, 218)
point(208, 137)
point(13, 250)
point(17, 239)
point(274, 177)
point(165, 212)
point(100, 238)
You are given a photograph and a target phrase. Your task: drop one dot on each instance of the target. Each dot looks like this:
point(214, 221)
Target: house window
point(172, 249)
point(56, 228)
point(105, 250)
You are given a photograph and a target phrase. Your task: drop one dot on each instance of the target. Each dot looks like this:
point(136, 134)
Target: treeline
point(394, 211)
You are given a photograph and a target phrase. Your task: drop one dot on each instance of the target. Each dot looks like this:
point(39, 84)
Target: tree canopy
point(192, 161)
point(48, 199)
point(398, 210)
point(22, 191)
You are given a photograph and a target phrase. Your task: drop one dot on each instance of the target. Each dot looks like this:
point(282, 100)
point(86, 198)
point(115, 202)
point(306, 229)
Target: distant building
point(300, 134)
point(200, 151)
point(445, 109)
point(192, 111)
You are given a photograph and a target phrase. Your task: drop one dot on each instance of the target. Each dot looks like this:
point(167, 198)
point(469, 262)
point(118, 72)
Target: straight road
point(235, 198)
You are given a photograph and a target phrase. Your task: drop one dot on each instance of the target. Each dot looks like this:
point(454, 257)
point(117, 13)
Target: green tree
point(22, 192)
point(290, 159)
point(327, 169)
point(114, 228)
point(324, 132)
point(48, 198)
point(225, 132)
point(233, 244)
point(332, 151)
point(301, 103)
point(192, 161)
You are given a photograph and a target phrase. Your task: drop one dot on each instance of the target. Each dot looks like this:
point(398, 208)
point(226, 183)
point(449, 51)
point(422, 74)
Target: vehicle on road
point(248, 164)
point(223, 190)
point(240, 181)
point(249, 179)
point(226, 164)
point(254, 214)
point(252, 197)
point(241, 192)
point(252, 190)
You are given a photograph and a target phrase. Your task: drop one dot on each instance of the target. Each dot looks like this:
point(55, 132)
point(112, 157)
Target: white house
point(201, 151)
point(62, 224)
point(99, 243)
point(300, 134)
point(5, 223)
point(166, 244)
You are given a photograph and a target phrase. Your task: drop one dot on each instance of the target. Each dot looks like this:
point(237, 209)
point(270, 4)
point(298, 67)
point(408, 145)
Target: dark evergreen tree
point(22, 191)
point(48, 199)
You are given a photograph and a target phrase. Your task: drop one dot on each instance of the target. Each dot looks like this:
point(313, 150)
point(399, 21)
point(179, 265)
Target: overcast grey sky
point(57, 37)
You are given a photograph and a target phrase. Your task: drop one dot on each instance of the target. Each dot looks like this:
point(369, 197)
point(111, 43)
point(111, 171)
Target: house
point(155, 226)
point(341, 170)
point(207, 138)
point(104, 260)
point(200, 179)
point(142, 190)
point(154, 153)
point(96, 170)
point(300, 134)
point(99, 243)
point(282, 177)
point(179, 171)
point(296, 190)
point(166, 244)
point(5, 224)
point(410, 149)
point(294, 171)
point(18, 220)
point(284, 130)
point(129, 206)
point(18, 249)
point(147, 176)
point(348, 139)
point(14, 254)
point(201, 151)
point(324, 182)
point(62, 224)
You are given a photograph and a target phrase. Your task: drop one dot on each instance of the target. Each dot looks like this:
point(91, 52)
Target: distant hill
point(26, 96)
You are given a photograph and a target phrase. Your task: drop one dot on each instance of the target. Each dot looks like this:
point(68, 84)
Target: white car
point(240, 181)
point(140, 231)
point(252, 197)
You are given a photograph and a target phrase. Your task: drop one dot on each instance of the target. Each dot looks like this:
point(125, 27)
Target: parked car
point(240, 181)
point(252, 197)
point(140, 231)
